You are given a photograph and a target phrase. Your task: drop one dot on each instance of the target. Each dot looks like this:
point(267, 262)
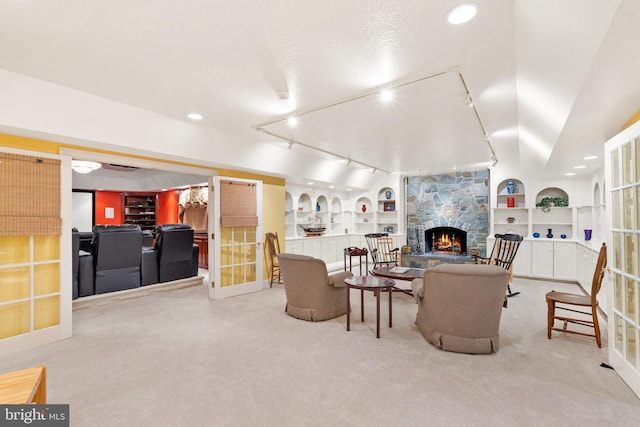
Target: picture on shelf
point(389, 206)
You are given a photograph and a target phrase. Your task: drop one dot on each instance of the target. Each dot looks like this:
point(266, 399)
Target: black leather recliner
point(177, 254)
point(82, 267)
point(117, 252)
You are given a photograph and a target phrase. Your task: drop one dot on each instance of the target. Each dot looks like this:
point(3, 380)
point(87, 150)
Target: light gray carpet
point(178, 359)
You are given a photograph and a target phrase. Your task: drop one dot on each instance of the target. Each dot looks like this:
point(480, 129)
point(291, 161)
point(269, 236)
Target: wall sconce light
point(83, 166)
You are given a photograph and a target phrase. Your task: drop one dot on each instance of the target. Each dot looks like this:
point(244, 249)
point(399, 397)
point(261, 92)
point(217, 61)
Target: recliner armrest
point(417, 286)
point(337, 279)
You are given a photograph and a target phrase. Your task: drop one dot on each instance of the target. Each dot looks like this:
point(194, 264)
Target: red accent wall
point(167, 207)
point(108, 199)
point(167, 210)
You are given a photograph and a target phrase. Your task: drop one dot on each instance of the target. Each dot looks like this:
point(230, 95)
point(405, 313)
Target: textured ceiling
point(551, 80)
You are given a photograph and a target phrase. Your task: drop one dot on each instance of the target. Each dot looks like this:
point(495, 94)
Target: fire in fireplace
point(446, 240)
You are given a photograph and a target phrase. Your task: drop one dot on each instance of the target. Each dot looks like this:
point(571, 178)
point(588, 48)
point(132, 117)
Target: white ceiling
point(551, 80)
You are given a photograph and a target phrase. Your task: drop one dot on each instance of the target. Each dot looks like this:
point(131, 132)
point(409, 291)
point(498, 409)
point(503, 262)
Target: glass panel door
point(237, 266)
point(622, 168)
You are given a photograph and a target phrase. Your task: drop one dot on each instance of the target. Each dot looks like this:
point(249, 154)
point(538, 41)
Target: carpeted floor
point(178, 359)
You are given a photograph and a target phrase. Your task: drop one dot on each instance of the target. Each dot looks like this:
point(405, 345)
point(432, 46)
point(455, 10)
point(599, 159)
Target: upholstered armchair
point(312, 294)
point(460, 305)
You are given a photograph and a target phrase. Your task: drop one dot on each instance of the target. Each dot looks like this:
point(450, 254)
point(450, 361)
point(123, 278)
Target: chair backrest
point(273, 246)
point(598, 274)
point(505, 249)
point(116, 246)
point(380, 247)
point(177, 254)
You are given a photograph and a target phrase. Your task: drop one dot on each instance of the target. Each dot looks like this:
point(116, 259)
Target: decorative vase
point(587, 234)
point(549, 233)
point(511, 187)
point(317, 207)
point(387, 194)
point(563, 236)
point(536, 235)
point(364, 208)
point(511, 202)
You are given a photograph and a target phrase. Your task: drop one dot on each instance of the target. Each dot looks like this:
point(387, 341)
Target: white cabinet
point(553, 260)
point(522, 261)
point(564, 260)
point(542, 259)
point(294, 246)
point(329, 252)
point(312, 246)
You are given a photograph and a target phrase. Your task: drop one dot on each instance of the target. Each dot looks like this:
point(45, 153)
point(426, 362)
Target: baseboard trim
point(108, 298)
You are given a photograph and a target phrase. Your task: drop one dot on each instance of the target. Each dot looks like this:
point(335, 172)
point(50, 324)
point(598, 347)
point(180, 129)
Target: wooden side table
point(369, 283)
point(356, 252)
point(23, 387)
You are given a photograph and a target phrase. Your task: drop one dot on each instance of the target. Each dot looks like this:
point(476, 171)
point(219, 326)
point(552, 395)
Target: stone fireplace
point(456, 205)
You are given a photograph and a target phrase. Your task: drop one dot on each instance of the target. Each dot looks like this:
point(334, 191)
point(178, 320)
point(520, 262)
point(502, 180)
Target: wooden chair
point(559, 301)
point(380, 249)
point(273, 249)
point(503, 253)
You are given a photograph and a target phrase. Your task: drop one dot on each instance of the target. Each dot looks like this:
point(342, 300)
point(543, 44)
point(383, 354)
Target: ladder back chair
point(380, 248)
point(576, 303)
point(273, 249)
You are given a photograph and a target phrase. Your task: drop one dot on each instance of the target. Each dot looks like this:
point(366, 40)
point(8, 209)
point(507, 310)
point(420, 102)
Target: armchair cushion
point(312, 294)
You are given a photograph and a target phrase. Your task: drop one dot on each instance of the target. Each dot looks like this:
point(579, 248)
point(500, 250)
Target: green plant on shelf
point(552, 202)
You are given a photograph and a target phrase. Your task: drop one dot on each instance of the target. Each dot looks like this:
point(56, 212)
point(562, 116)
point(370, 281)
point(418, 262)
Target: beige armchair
point(459, 306)
point(312, 294)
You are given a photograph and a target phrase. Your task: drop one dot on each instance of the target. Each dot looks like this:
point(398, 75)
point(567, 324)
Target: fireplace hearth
point(446, 240)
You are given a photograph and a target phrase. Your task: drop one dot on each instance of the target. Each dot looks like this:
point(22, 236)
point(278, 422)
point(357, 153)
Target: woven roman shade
point(30, 194)
point(238, 204)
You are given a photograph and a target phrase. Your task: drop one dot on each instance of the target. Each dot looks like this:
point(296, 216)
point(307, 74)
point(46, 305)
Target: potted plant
point(550, 202)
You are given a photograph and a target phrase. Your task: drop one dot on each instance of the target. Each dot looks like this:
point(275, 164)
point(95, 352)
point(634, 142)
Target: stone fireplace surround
point(458, 200)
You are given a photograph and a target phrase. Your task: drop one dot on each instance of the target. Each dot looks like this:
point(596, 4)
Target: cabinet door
point(329, 253)
point(522, 261)
point(312, 246)
point(294, 247)
point(542, 259)
point(564, 261)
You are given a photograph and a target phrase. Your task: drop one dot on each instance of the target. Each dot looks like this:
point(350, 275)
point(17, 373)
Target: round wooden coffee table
point(369, 283)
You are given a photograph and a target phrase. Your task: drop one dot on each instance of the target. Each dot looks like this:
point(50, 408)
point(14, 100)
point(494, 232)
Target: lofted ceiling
point(550, 80)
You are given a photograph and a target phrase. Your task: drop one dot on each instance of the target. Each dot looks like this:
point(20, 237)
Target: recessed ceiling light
point(292, 121)
point(590, 157)
point(386, 95)
point(579, 167)
point(462, 13)
point(309, 183)
point(348, 189)
point(570, 174)
point(194, 116)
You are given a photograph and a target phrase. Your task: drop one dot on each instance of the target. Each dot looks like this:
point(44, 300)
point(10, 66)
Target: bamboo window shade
point(30, 194)
point(238, 204)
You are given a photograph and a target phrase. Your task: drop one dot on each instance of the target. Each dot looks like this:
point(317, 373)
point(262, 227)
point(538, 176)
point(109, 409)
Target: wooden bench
point(22, 387)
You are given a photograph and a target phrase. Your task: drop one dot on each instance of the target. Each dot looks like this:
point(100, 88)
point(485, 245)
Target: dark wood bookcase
point(140, 209)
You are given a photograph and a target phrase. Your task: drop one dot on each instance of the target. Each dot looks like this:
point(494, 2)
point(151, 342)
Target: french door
point(622, 169)
point(236, 239)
